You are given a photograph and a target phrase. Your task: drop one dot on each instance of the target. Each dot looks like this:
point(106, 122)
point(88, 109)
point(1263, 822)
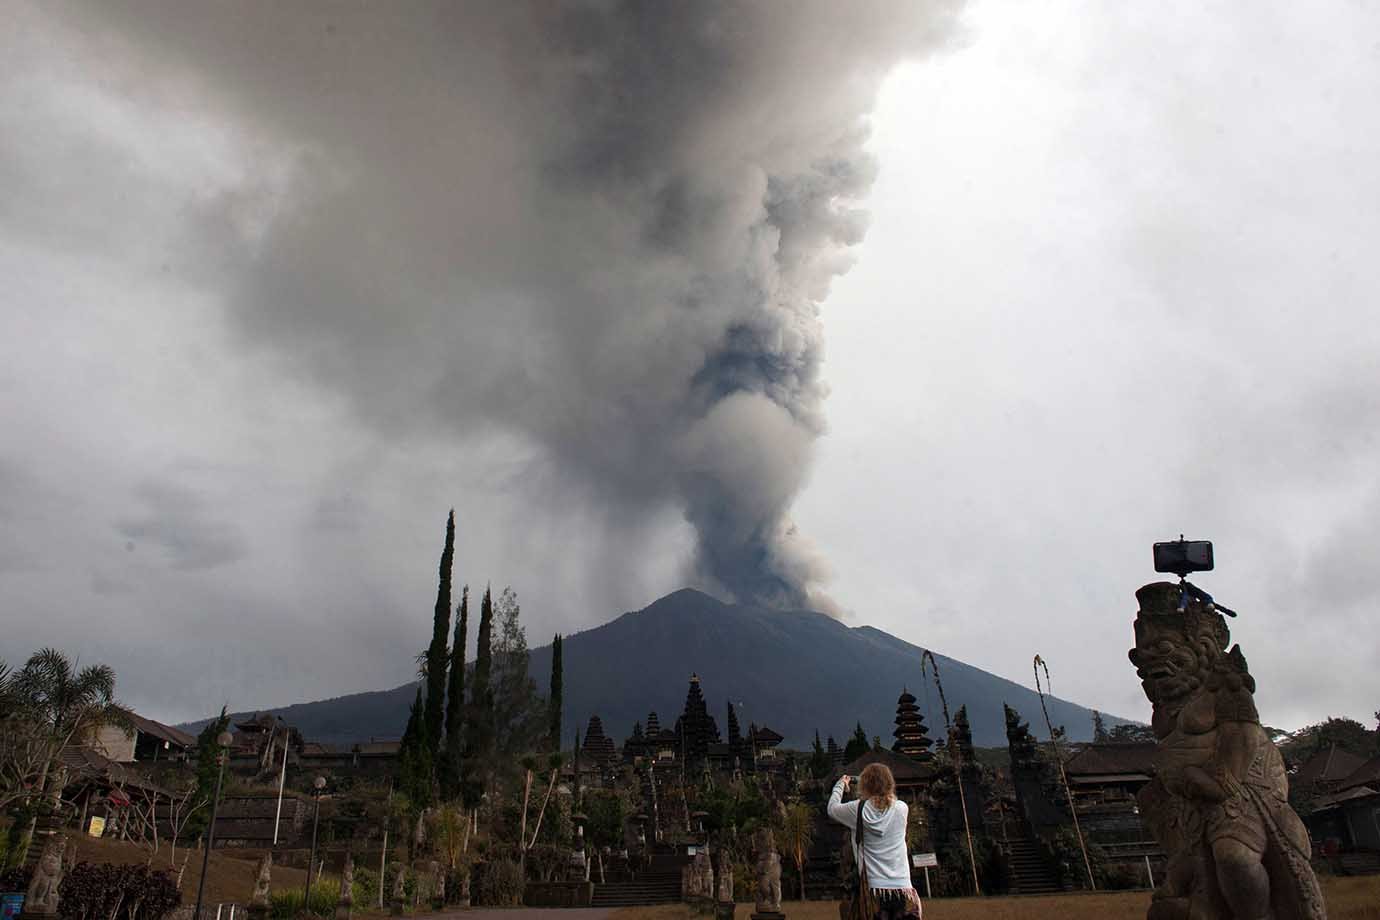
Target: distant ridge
point(796, 671)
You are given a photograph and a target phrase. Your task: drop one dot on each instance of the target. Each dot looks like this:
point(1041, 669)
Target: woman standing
point(880, 819)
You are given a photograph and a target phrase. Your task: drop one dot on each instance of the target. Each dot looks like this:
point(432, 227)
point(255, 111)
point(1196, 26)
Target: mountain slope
point(796, 671)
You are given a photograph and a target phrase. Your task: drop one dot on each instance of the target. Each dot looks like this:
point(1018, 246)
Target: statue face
point(1167, 662)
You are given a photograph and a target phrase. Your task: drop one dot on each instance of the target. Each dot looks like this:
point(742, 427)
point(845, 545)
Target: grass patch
point(1347, 899)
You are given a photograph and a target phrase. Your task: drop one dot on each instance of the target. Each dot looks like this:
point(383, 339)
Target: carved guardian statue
point(1218, 803)
point(42, 897)
point(398, 899)
point(768, 874)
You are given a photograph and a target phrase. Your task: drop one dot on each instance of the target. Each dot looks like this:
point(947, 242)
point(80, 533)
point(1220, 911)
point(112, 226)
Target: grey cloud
point(179, 522)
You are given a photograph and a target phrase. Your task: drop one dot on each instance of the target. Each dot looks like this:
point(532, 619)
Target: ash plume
point(602, 228)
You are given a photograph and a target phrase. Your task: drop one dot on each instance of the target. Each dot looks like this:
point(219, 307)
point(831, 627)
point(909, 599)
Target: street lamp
point(317, 785)
point(223, 741)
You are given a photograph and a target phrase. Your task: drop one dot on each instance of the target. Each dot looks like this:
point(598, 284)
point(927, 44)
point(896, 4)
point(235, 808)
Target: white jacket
point(884, 838)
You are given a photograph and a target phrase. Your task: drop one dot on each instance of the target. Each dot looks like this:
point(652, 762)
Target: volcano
point(796, 671)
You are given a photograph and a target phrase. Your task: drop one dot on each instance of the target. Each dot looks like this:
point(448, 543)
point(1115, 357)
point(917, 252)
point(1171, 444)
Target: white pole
point(218, 912)
point(1148, 873)
point(927, 883)
point(383, 857)
point(232, 910)
point(282, 779)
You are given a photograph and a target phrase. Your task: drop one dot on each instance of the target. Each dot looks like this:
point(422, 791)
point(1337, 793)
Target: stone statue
point(768, 874)
point(41, 900)
point(1218, 803)
point(462, 888)
point(725, 889)
point(398, 900)
point(724, 906)
point(437, 884)
point(258, 901)
point(347, 888)
point(692, 879)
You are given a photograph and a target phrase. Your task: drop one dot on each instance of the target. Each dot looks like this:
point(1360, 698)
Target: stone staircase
point(1029, 874)
point(659, 883)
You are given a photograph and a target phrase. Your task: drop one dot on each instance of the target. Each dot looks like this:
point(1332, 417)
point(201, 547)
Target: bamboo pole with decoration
point(1059, 759)
point(954, 751)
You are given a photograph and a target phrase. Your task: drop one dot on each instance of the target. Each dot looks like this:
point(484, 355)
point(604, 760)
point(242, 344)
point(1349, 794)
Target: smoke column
point(602, 228)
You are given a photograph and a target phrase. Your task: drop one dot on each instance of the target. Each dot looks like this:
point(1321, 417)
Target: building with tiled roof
point(143, 741)
point(1344, 815)
point(1324, 772)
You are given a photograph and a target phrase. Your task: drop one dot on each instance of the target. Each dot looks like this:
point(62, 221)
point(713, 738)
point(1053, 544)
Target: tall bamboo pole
point(282, 781)
point(1058, 758)
point(954, 751)
point(383, 854)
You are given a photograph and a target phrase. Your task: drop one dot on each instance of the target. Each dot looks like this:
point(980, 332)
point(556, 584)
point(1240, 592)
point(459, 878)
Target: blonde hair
point(877, 785)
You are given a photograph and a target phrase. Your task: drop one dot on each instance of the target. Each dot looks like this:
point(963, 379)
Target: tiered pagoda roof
point(598, 747)
point(912, 738)
point(696, 726)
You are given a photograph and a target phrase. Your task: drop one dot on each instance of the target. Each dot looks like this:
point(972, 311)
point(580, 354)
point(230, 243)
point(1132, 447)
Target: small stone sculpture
point(689, 882)
point(462, 889)
point(1218, 803)
point(768, 875)
point(258, 901)
point(724, 907)
point(42, 897)
point(347, 888)
point(398, 900)
point(437, 880)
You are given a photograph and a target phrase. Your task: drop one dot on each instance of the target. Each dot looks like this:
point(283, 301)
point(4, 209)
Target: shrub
point(288, 903)
point(16, 879)
point(366, 888)
point(1123, 876)
point(106, 892)
point(1066, 856)
point(454, 879)
point(497, 883)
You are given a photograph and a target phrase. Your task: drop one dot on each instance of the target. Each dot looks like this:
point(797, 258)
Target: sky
point(933, 317)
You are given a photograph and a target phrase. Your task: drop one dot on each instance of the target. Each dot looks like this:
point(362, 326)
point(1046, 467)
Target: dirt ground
point(1347, 899)
point(230, 877)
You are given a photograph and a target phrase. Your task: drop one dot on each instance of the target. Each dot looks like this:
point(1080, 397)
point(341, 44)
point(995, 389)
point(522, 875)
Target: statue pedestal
point(723, 910)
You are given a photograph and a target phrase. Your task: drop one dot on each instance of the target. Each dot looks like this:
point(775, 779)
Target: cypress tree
point(555, 698)
point(1099, 728)
point(857, 745)
point(455, 699)
point(436, 652)
point(481, 694)
point(414, 756)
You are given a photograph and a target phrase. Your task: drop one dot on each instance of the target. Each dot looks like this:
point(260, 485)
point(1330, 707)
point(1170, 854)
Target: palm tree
point(8, 698)
point(797, 833)
point(61, 704)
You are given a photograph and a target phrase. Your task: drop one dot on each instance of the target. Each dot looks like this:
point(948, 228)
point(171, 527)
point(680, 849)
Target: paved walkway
point(524, 913)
